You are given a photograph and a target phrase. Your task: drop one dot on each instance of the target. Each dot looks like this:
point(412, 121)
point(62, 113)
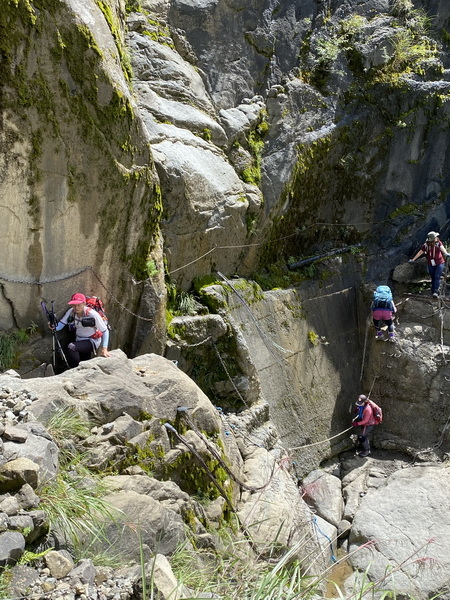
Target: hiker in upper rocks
point(365, 419)
point(436, 254)
point(383, 310)
point(89, 328)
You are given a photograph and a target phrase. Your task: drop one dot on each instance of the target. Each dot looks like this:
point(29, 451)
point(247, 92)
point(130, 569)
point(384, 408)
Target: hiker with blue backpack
point(383, 310)
point(436, 254)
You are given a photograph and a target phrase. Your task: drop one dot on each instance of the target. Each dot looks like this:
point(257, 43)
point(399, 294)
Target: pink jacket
point(367, 416)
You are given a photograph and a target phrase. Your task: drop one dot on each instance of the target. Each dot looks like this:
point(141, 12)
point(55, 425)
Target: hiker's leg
point(435, 274)
point(439, 269)
point(77, 351)
point(86, 350)
point(431, 271)
point(377, 325)
point(391, 330)
point(366, 443)
point(390, 325)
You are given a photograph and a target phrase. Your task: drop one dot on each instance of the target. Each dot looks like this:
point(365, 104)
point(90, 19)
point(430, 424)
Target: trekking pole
point(56, 344)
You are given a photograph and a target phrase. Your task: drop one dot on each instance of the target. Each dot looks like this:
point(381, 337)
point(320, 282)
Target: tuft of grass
point(73, 500)
point(75, 508)
point(5, 580)
point(313, 338)
point(67, 424)
point(133, 6)
point(10, 344)
point(30, 557)
point(182, 303)
point(100, 557)
point(152, 269)
point(67, 428)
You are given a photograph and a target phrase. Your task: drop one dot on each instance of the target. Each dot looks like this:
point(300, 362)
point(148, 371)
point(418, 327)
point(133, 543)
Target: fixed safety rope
point(441, 307)
point(280, 239)
point(228, 374)
point(263, 335)
point(218, 457)
point(46, 281)
point(321, 441)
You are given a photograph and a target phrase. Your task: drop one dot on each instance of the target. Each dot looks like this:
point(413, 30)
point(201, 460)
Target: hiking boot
point(435, 295)
point(379, 335)
point(392, 337)
point(364, 453)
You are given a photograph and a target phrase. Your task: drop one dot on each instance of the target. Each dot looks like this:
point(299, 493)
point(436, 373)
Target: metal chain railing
point(44, 281)
point(58, 278)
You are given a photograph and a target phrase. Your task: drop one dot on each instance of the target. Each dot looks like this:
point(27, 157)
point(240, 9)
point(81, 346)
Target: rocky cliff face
point(169, 477)
point(148, 146)
point(237, 124)
point(80, 195)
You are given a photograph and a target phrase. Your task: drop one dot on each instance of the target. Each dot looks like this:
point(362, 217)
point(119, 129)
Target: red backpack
point(95, 303)
point(377, 412)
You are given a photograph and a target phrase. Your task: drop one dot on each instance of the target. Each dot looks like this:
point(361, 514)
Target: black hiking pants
point(363, 437)
point(78, 351)
point(389, 323)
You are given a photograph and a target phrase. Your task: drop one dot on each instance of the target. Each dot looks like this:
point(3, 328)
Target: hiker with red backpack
point(368, 414)
point(90, 329)
point(436, 254)
point(383, 310)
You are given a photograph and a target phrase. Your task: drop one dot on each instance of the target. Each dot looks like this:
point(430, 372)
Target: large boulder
point(154, 387)
point(401, 532)
point(142, 523)
point(323, 492)
point(18, 472)
point(275, 511)
point(12, 545)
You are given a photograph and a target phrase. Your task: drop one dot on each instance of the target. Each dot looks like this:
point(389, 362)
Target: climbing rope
point(217, 456)
point(256, 244)
point(316, 526)
point(364, 349)
point(122, 306)
point(44, 281)
point(191, 448)
point(321, 441)
point(263, 335)
point(228, 374)
point(219, 487)
point(441, 307)
point(64, 276)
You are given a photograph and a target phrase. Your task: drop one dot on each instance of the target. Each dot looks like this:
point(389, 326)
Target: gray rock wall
point(259, 131)
point(411, 380)
point(303, 349)
point(78, 185)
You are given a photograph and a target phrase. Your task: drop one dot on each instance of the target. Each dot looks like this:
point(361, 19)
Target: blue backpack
point(382, 297)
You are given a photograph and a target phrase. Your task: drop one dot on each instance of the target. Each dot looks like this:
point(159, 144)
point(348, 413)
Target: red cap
point(77, 299)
